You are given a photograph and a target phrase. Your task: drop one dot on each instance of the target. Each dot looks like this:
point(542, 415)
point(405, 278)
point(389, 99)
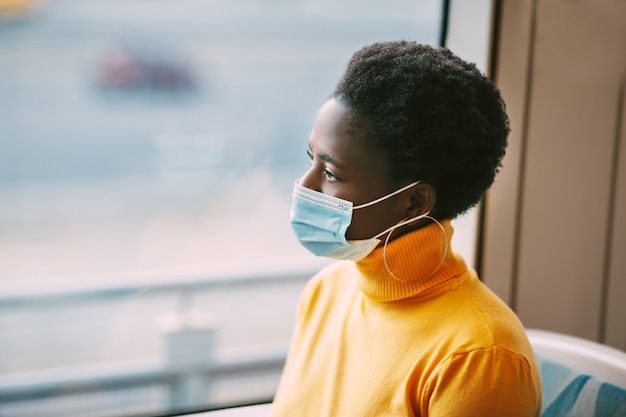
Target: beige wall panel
point(576, 69)
point(501, 203)
point(615, 329)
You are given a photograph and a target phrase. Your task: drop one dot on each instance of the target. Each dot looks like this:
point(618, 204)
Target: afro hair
point(437, 118)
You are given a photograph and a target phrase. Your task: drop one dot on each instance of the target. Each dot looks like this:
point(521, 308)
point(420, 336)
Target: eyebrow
point(327, 158)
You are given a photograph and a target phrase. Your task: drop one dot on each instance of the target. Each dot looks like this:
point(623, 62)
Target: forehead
point(340, 136)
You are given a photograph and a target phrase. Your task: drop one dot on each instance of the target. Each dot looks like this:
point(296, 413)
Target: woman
point(411, 137)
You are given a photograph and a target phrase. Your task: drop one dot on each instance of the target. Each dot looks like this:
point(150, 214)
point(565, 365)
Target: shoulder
point(487, 381)
point(471, 316)
point(494, 319)
point(485, 355)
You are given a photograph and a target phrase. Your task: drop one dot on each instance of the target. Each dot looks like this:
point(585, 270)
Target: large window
point(147, 155)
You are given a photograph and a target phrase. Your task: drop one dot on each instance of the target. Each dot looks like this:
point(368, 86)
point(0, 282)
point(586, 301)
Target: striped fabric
point(569, 393)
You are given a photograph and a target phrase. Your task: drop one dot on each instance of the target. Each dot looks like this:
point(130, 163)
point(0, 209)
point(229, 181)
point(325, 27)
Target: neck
point(419, 263)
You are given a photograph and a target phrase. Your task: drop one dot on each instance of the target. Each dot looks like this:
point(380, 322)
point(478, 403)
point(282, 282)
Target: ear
point(422, 200)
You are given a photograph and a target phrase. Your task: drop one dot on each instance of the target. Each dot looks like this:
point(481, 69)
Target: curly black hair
point(437, 118)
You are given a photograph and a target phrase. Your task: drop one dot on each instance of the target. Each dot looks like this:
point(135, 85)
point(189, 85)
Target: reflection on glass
point(147, 155)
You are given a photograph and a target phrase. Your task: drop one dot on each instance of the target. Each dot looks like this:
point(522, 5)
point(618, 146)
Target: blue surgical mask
point(320, 222)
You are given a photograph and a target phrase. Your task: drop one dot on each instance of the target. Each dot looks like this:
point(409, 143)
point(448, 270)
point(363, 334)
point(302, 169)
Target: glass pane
point(147, 155)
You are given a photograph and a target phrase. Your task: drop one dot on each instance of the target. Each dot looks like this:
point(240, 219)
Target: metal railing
point(187, 384)
point(117, 285)
point(188, 366)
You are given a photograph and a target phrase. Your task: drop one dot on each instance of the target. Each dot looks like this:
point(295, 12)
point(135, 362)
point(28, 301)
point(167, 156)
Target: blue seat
point(580, 378)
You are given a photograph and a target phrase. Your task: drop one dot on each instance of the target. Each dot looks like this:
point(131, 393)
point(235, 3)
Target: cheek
point(368, 222)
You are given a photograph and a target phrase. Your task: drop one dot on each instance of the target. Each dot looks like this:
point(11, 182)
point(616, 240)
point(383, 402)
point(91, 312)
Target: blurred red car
point(125, 69)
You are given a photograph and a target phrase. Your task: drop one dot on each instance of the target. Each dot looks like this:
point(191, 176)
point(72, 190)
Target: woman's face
point(343, 166)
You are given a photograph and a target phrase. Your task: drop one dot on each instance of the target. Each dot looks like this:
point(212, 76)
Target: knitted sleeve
point(482, 383)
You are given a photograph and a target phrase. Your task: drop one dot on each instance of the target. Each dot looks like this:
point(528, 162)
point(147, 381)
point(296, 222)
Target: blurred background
point(140, 134)
point(147, 155)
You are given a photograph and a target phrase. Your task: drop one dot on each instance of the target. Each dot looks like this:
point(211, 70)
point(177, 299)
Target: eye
point(330, 176)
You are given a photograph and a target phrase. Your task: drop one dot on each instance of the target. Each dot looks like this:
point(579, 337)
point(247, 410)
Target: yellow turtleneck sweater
point(438, 343)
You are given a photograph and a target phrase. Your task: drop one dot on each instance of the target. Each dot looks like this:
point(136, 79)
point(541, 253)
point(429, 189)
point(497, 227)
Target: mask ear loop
point(404, 222)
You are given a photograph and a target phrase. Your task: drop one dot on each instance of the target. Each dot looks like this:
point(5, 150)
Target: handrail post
point(189, 344)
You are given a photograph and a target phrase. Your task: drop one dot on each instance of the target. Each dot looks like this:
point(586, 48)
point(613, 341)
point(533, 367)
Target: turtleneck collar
point(415, 260)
